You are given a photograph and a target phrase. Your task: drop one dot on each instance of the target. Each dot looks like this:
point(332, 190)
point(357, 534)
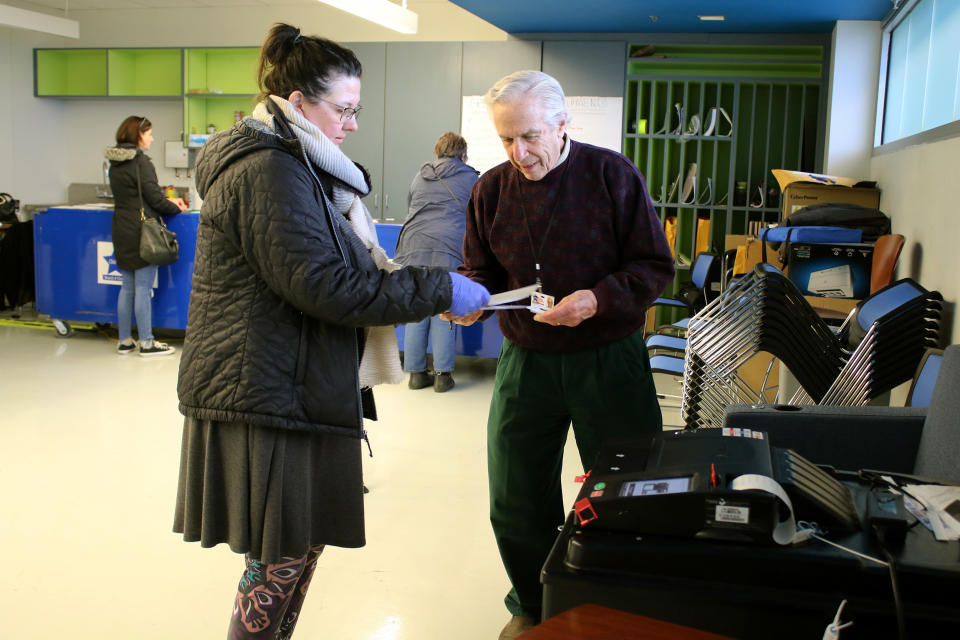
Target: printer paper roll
point(784, 531)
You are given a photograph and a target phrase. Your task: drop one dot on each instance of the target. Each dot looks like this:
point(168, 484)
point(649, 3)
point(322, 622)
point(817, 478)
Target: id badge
point(540, 302)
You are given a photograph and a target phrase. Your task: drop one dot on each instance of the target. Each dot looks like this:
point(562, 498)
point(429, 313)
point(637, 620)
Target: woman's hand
point(179, 202)
point(468, 297)
point(466, 320)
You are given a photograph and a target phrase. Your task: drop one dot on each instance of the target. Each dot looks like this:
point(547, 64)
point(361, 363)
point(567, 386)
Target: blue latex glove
point(468, 296)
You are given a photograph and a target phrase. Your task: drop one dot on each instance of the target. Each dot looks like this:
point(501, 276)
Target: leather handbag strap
point(143, 215)
point(139, 191)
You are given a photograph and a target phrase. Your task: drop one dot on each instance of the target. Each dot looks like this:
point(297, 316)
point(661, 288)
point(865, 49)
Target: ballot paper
point(500, 301)
point(942, 506)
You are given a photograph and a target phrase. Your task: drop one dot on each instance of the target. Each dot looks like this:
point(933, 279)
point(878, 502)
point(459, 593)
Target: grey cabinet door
point(486, 62)
point(365, 145)
point(587, 68)
point(422, 102)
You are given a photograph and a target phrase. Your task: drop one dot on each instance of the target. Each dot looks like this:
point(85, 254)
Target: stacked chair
point(666, 346)
point(877, 348)
point(888, 334)
point(667, 350)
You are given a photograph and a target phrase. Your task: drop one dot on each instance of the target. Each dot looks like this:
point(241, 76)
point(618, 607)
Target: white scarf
point(381, 357)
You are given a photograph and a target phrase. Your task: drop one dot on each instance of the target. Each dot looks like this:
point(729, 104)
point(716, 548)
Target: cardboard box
point(832, 308)
point(831, 270)
point(840, 305)
point(801, 189)
point(750, 252)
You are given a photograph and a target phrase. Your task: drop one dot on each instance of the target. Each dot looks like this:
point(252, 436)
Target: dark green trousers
point(604, 391)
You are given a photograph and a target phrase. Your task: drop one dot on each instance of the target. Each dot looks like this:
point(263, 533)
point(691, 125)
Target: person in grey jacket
point(293, 303)
point(432, 236)
point(133, 182)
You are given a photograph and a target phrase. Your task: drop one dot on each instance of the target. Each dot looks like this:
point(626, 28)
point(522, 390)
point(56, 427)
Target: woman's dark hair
point(131, 128)
point(290, 61)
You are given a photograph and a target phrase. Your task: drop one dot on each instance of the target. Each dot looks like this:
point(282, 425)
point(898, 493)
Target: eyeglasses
point(346, 113)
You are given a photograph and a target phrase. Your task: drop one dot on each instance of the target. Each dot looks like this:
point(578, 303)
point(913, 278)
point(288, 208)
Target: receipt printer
point(685, 483)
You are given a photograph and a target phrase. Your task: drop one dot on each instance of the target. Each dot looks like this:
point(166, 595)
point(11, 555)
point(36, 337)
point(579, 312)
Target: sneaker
point(420, 379)
point(516, 626)
point(125, 348)
point(444, 382)
point(156, 348)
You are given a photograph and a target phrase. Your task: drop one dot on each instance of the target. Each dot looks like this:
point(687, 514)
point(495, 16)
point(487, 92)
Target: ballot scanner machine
point(698, 528)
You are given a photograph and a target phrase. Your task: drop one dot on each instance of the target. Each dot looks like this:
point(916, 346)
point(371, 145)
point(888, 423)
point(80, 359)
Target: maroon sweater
point(605, 236)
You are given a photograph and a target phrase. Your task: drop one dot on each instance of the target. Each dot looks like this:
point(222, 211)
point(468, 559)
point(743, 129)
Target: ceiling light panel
point(383, 12)
point(36, 21)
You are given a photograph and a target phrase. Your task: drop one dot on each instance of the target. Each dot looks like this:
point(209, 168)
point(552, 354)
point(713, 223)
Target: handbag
point(158, 245)
point(8, 209)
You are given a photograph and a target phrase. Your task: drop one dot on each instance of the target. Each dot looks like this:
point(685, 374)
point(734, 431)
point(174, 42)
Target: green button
point(600, 485)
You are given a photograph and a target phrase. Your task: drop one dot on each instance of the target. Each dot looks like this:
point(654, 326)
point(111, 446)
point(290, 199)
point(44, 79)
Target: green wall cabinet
point(70, 72)
point(227, 71)
point(144, 73)
point(214, 84)
point(220, 85)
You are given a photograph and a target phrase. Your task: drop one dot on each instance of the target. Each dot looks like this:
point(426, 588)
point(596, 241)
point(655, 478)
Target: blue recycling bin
point(76, 273)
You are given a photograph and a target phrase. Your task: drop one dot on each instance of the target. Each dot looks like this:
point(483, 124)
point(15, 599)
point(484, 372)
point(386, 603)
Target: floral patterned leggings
point(270, 596)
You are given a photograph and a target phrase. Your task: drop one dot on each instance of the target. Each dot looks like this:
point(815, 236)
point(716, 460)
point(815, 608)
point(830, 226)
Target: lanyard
point(526, 221)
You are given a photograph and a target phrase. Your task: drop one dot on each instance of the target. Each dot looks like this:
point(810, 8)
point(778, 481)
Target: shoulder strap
point(784, 252)
point(448, 190)
point(139, 190)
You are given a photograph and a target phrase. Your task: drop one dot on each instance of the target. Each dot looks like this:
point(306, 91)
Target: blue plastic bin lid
point(813, 235)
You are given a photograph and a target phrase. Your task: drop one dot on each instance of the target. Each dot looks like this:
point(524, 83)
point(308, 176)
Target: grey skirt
point(269, 493)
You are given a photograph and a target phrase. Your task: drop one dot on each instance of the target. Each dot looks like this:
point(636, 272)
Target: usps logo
point(107, 270)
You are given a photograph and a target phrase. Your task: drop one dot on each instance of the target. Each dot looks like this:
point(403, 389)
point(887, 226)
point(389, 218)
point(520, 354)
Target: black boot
point(443, 382)
point(419, 380)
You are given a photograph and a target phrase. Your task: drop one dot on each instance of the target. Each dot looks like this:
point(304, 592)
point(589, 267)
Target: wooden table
point(593, 622)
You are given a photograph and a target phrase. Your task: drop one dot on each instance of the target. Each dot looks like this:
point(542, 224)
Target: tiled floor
point(89, 449)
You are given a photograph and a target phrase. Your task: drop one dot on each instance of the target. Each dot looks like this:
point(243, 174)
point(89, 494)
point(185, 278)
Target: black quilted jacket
point(281, 285)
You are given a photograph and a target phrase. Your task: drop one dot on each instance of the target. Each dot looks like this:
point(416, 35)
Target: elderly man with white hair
point(578, 221)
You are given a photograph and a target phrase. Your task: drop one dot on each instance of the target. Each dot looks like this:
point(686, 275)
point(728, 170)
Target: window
point(922, 71)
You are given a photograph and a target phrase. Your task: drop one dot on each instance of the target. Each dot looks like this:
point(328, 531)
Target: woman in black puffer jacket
point(128, 167)
point(290, 326)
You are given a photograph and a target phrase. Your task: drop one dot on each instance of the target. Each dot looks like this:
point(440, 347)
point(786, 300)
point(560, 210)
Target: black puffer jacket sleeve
point(289, 242)
point(280, 287)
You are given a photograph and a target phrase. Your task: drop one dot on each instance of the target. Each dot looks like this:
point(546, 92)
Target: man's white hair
point(529, 82)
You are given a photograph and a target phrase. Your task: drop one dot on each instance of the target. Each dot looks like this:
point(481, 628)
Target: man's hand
point(466, 320)
point(571, 311)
